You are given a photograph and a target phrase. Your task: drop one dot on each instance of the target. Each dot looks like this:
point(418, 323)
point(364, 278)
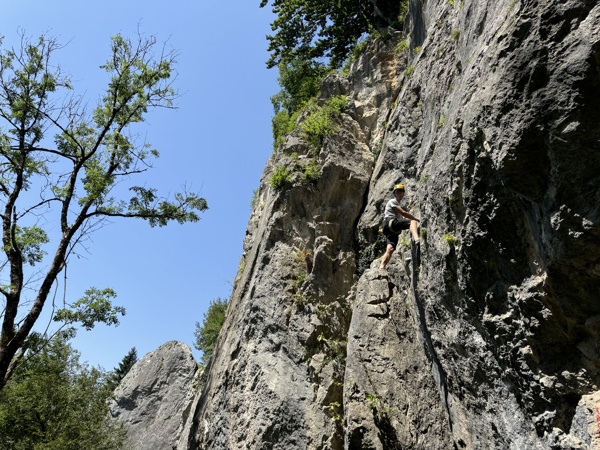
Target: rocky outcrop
point(154, 398)
point(391, 396)
point(490, 120)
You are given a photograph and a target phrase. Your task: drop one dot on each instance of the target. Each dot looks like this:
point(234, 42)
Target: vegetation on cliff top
point(312, 30)
point(312, 38)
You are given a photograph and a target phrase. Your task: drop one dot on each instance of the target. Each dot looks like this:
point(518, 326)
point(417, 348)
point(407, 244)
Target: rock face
point(154, 398)
point(491, 121)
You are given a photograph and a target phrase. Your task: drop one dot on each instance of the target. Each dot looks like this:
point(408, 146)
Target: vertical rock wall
point(491, 120)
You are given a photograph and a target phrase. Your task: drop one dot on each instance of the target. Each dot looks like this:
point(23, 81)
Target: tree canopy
point(66, 169)
point(312, 29)
point(53, 401)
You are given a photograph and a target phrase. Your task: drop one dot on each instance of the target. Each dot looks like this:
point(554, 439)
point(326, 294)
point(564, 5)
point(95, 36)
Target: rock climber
point(396, 219)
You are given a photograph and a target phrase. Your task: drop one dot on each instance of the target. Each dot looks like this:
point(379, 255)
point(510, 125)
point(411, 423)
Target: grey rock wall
point(495, 134)
point(154, 398)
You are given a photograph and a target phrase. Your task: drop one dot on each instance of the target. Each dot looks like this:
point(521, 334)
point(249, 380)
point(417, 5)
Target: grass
point(450, 240)
point(402, 46)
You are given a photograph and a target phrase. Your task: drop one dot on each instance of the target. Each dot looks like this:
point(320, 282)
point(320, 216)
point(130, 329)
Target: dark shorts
point(392, 228)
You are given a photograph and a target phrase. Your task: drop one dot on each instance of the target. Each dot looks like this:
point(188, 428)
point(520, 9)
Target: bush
point(280, 176)
point(311, 171)
point(319, 122)
point(450, 240)
point(316, 126)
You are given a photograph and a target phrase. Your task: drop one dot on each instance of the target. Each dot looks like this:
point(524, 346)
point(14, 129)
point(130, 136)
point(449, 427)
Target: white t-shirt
point(390, 212)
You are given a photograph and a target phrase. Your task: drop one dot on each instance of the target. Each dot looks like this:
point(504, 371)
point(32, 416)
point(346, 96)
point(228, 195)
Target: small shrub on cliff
point(311, 171)
point(279, 176)
point(316, 126)
point(450, 240)
point(319, 122)
point(206, 334)
point(402, 46)
point(301, 268)
point(300, 81)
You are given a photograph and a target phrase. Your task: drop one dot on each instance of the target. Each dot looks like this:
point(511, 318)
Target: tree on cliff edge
point(65, 170)
point(309, 30)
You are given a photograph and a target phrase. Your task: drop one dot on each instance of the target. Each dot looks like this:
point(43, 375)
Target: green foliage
point(124, 367)
point(206, 334)
point(316, 126)
point(409, 70)
point(336, 104)
point(92, 308)
point(55, 402)
point(450, 240)
point(254, 198)
point(404, 241)
point(63, 167)
point(311, 171)
point(282, 124)
point(335, 349)
point(403, 11)
point(373, 400)
point(280, 176)
point(29, 240)
point(311, 30)
point(335, 412)
point(455, 34)
point(441, 121)
point(318, 123)
point(402, 46)
point(300, 81)
point(301, 267)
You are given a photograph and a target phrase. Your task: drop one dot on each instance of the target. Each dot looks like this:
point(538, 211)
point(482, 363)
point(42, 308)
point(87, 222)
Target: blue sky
point(216, 142)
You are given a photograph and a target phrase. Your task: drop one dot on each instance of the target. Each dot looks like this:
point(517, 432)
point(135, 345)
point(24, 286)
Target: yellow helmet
point(398, 187)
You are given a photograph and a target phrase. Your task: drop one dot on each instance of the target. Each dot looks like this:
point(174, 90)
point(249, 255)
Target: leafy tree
point(64, 171)
point(314, 29)
point(300, 81)
point(53, 401)
point(207, 333)
point(124, 367)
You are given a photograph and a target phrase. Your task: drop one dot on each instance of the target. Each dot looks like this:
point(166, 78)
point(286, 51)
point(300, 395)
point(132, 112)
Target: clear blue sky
point(217, 142)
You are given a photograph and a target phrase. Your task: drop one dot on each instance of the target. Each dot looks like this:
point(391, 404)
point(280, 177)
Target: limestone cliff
point(491, 120)
point(155, 397)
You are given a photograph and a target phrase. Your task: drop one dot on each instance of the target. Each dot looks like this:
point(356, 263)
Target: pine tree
point(207, 333)
point(124, 367)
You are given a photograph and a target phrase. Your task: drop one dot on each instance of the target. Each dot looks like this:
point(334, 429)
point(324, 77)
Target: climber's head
point(398, 188)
